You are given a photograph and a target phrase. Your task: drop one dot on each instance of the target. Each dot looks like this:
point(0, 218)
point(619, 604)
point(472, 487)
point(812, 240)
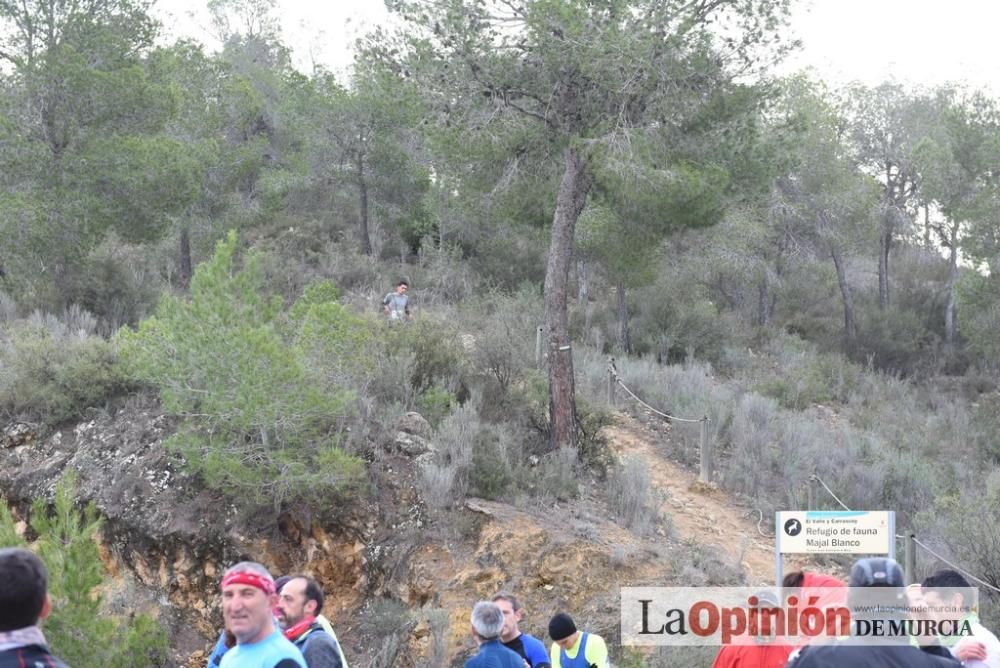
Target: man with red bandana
point(299, 604)
point(248, 596)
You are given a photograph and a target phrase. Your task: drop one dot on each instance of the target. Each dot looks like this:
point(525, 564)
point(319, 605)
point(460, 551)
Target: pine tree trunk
point(366, 239)
point(763, 301)
point(949, 306)
point(884, 242)
point(184, 258)
point(927, 226)
point(562, 401)
point(624, 340)
point(850, 328)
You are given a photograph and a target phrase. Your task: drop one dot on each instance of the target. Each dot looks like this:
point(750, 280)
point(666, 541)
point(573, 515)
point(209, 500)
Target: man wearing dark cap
point(24, 601)
point(575, 649)
point(897, 652)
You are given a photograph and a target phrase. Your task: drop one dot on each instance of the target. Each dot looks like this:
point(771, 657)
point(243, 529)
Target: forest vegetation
point(815, 269)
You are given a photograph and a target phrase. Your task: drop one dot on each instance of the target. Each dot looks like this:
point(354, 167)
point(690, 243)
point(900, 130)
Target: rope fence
point(705, 445)
point(705, 475)
point(911, 541)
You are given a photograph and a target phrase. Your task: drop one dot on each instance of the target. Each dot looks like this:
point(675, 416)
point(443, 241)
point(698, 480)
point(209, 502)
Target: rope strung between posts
point(614, 374)
point(920, 544)
point(956, 567)
point(815, 478)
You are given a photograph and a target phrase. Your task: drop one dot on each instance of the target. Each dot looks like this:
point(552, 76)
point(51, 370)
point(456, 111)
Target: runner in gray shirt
point(396, 305)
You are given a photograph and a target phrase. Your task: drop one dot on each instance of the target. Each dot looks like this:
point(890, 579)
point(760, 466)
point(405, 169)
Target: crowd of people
point(280, 624)
point(943, 591)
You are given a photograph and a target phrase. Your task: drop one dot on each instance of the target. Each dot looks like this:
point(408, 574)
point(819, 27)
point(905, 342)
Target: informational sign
point(835, 532)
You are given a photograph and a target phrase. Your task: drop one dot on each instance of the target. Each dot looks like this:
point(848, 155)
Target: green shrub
point(556, 475)
point(804, 377)
point(50, 375)
point(631, 494)
point(895, 340)
point(446, 477)
point(79, 631)
point(430, 353)
point(593, 444)
point(490, 475)
point(435, 403)
point(260, 415)
point(979, 315)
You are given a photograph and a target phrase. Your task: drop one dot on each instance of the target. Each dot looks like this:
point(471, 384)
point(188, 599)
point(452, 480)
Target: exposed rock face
point(393, 571)
point(167, 539)
point(15, 434)
point(411, 444)
point(415, 424)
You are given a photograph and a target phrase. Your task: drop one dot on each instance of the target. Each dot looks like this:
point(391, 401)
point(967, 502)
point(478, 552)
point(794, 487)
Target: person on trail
point(299, 604)
point(527, 646)
point(396, 304)
point(898, 652)
point(575, 649)
point(941, 592)
point(248, 601)
point(487, 625)
point(24, 602)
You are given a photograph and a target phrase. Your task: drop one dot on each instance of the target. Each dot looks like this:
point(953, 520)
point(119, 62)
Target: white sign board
point(835, 532)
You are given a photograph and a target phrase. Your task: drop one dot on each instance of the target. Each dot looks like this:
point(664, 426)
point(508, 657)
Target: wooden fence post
point(611, 381)
point(538, 348)
point(705, 449)
point(909, 558)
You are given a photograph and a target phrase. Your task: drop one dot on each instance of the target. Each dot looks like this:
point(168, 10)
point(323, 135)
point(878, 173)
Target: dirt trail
point(701, 513)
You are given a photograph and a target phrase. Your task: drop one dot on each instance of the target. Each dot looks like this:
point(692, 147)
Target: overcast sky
point(915, 41)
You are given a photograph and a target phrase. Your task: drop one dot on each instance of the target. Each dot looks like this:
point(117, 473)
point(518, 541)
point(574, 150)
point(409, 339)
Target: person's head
point(280, 582)
point(301, 597)
point(876, 572)
point(942, 591)
point(563, 631)
point(24, 583)
point(487, 621)
point(879, 573)
point(512, 613)
point(792, 580)
point(248, 598)
point(402, 287)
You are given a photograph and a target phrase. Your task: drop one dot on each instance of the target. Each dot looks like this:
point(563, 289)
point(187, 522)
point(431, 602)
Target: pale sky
point(923, 42)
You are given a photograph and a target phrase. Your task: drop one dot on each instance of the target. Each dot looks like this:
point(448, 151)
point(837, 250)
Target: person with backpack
point(299, 605)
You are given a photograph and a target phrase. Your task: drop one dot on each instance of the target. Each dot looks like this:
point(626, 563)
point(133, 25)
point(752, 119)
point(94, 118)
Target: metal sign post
point(832, 532)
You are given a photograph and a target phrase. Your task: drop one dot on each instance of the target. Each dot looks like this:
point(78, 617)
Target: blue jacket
point(492, 654)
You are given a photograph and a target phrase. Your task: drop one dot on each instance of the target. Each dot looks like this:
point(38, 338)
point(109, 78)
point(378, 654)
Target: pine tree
point(78, 631)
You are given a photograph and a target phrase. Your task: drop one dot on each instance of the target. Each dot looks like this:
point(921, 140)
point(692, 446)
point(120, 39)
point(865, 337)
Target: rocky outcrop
point(15, 434)
point(167, 538)
point(415, 424)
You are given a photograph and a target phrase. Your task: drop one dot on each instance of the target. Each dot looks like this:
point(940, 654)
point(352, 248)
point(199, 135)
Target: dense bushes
point(261, 417)
point(53, 369)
